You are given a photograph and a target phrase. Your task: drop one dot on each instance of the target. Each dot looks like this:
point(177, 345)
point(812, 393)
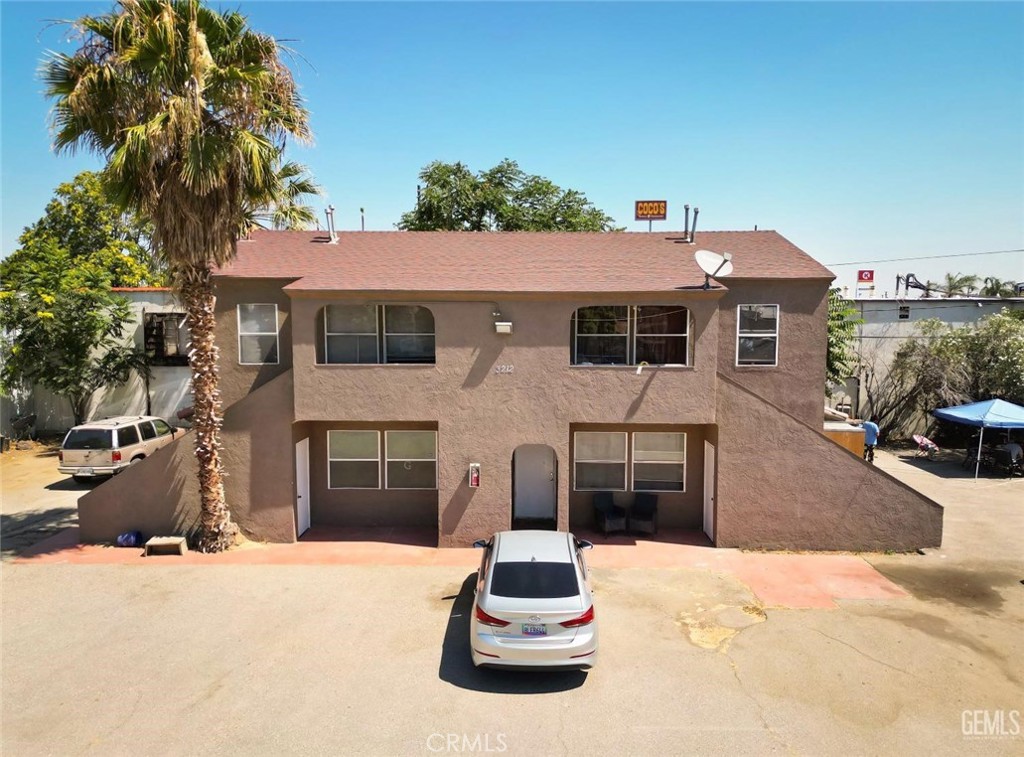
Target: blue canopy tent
point(987, 414)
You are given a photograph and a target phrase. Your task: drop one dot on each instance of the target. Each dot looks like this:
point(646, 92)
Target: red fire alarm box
point(474, 475)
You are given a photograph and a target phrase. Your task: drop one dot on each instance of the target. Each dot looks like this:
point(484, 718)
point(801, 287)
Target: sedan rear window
point(534, 580)
point(88, 438)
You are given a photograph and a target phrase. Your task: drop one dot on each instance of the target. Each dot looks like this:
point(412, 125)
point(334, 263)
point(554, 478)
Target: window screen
point(353, 459)
point(600, 460)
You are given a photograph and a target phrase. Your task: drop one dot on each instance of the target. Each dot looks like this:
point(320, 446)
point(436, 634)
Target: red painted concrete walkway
point(779, 580)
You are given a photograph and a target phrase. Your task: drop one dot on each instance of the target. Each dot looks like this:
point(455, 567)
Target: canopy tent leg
point(977, 457)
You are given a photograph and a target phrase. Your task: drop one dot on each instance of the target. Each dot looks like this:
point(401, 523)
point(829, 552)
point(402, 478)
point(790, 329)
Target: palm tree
point(283, 205)
point(997, 288)
point(191, 109)
point(959, 283)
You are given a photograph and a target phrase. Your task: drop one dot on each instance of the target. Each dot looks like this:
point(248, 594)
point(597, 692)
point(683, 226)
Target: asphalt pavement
point(372, 659)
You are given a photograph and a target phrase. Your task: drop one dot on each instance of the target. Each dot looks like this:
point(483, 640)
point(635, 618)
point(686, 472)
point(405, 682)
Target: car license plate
point(85, 471)
point(535, 629)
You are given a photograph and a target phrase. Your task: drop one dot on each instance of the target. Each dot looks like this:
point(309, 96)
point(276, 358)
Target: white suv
point(106, 447)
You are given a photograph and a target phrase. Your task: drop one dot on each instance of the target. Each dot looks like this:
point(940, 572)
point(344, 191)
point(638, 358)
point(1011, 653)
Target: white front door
point(709, 490)
point(534, 485)
point(302, 486)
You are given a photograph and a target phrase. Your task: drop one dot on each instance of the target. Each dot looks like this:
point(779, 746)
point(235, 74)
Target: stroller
point(925, 447)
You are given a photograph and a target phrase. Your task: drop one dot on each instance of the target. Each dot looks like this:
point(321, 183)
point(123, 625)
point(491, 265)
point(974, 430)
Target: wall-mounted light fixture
point(501, 326)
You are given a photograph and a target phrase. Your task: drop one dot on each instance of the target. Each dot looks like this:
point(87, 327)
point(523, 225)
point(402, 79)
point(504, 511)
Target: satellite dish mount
point(713, 264)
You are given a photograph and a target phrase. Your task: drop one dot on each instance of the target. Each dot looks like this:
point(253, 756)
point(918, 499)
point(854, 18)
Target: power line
point(930, 257)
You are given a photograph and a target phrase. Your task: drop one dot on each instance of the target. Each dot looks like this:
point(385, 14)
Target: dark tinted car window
point(534, 580)
point(88, 438)
point(127, 436)
point(147, 430)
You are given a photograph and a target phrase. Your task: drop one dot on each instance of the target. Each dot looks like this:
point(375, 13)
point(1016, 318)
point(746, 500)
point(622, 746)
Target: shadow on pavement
point(70, 485)
point(21, 530)
point(457, 667)
point(951, 468)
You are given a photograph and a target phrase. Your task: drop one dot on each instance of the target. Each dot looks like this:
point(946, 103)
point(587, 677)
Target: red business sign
point(651, 210)
point(866, 277)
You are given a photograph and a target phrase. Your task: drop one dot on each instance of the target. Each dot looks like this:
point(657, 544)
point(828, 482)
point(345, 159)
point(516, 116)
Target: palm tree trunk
point(217, 531)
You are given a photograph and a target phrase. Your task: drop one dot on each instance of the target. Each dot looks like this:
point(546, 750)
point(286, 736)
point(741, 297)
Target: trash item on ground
point(131, 539)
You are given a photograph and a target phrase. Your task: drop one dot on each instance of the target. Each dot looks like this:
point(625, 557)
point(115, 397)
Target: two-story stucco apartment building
point(470, 383)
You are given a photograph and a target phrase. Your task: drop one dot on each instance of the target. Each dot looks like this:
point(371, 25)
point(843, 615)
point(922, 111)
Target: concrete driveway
point(345, 659)
point(36, 500)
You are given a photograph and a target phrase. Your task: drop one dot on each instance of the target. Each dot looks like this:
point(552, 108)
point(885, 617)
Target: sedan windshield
point(534, 580)
point(88, 438)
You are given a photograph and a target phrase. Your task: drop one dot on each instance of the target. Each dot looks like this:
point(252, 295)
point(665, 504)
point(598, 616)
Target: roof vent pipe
point(330, 224)
point(686, 223)
point(693, 229)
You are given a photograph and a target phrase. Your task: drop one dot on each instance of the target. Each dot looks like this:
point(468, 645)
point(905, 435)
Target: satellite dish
point(713, 264)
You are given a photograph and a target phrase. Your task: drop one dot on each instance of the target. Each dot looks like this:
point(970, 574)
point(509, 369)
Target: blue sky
point(860, 131)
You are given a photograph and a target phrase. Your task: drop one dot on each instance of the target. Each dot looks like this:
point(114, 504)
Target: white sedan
point(533, 606)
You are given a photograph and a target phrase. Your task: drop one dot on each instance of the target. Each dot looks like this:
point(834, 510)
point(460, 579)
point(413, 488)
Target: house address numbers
point(504, 368)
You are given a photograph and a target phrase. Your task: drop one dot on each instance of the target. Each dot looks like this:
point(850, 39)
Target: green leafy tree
point(842, 333)
point(959, 284)
point(994, 287)
point(951, 365)
point(502, 198)
point(65, 331)
point(191, 109)
point(82, 220)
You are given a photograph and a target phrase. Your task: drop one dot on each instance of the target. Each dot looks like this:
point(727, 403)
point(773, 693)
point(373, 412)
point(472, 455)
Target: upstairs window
point(757, 335)
point(257, 334)
point(631, 335)
point(165, 338)
point(371, 334)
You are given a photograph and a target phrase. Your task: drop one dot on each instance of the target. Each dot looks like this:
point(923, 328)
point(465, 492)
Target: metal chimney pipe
point(693, 230)
point(330, 223)
point(686, 223)
point(362, 219)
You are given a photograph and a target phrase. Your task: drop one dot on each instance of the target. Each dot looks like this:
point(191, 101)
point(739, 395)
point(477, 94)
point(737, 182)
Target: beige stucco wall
point(797, 382)
point(161, 494)
point(482, 415)
point(236, 380)
point(783, 485)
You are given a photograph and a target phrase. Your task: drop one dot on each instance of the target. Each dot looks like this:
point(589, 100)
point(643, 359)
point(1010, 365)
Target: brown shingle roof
point(510, 262)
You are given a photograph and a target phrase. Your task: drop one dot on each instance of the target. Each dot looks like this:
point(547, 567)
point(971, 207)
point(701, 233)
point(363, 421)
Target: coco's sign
point(651, 210)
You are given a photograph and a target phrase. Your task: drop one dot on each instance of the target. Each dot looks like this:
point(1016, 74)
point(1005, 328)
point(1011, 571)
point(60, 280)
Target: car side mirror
point(584, 544)
point(481, 544)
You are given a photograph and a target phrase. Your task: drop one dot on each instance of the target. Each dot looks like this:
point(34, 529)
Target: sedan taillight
point(582, 620)
point(60, 456)
point(115, 456)
point(489, 620)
